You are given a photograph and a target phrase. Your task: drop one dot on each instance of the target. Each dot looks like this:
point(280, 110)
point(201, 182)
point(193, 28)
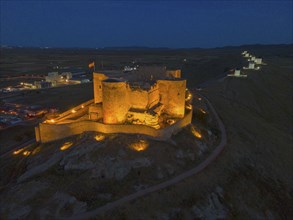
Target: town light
point(73, 111)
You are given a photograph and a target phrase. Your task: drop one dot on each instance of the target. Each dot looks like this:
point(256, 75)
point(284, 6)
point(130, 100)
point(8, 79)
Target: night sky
point(173, 24)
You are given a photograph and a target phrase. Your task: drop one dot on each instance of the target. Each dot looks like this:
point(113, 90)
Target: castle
point(152, 101)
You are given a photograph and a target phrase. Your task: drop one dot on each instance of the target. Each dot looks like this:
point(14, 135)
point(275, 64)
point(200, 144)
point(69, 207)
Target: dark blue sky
point(145, 23)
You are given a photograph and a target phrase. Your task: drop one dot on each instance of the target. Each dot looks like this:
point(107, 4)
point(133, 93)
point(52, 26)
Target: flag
point(91, 65)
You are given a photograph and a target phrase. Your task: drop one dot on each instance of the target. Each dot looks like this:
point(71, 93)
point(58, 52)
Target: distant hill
point(138, 48)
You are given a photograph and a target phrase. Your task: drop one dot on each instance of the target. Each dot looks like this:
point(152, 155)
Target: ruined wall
point(97, 81)
point(52, 132)
point(115, 101)
point(96, 111)
point(173, 73)
point(154, 95)
point(136, 117)
point(138, 98)
point(172, 94)
point(144, 99)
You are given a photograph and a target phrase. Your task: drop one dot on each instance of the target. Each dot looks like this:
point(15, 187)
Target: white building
point(66, 75)
point(251, 66)
point(129, 69)
point(258, 61)
point(54, 78)
point(244, 52)
point(237, 73)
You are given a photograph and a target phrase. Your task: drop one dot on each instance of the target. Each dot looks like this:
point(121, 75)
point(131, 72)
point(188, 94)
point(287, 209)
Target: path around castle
point(167, 183)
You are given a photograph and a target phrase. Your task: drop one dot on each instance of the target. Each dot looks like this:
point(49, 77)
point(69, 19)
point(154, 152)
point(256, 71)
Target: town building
point(42, 84)
point(237, 73)
point(258, 61)
point(54, 78)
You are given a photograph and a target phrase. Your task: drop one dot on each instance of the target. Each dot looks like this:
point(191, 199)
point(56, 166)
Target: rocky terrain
point(72, 176)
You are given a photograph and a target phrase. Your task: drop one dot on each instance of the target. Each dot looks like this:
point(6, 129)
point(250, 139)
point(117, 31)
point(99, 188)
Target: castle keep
point(156, 106)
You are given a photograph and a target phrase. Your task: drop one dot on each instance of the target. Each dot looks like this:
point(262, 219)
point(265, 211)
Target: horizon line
point(140, 47)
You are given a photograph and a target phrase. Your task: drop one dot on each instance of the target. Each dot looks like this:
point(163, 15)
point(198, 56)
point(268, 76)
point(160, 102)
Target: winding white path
point(167, 183)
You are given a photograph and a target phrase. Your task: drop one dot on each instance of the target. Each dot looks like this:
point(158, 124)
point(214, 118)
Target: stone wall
point(115, 101)
point(144, 99)
point(97, 81)
point(80, 109)
point(138, 98)
point(154, 95)
point(51, 132)
point(172, 94)
point(95, 111)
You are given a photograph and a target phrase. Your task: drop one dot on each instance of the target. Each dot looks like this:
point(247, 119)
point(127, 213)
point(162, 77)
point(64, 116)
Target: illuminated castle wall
point(172, 93)
point(121, 101)
point(115, 101)
point(156, 108)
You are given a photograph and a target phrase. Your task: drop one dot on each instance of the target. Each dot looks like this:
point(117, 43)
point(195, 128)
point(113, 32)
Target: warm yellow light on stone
point(73, 111)
point(26, 153)
point(82, 106)
point(203, 111)
point(189, 97)
point(66, 145)
point(188, 106)
point(18, 151)
point(52, 121)
point(196, 133)
point(140, 145)
point(36, 150)
point(99, 137)
point(170, 121)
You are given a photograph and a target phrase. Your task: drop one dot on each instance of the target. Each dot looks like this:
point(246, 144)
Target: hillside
point(250, 179)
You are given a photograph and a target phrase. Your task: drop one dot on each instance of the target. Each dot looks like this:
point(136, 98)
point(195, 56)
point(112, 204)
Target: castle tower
point(97, 80)
point(172, 96)
point(115, 101)
point(173, 73)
